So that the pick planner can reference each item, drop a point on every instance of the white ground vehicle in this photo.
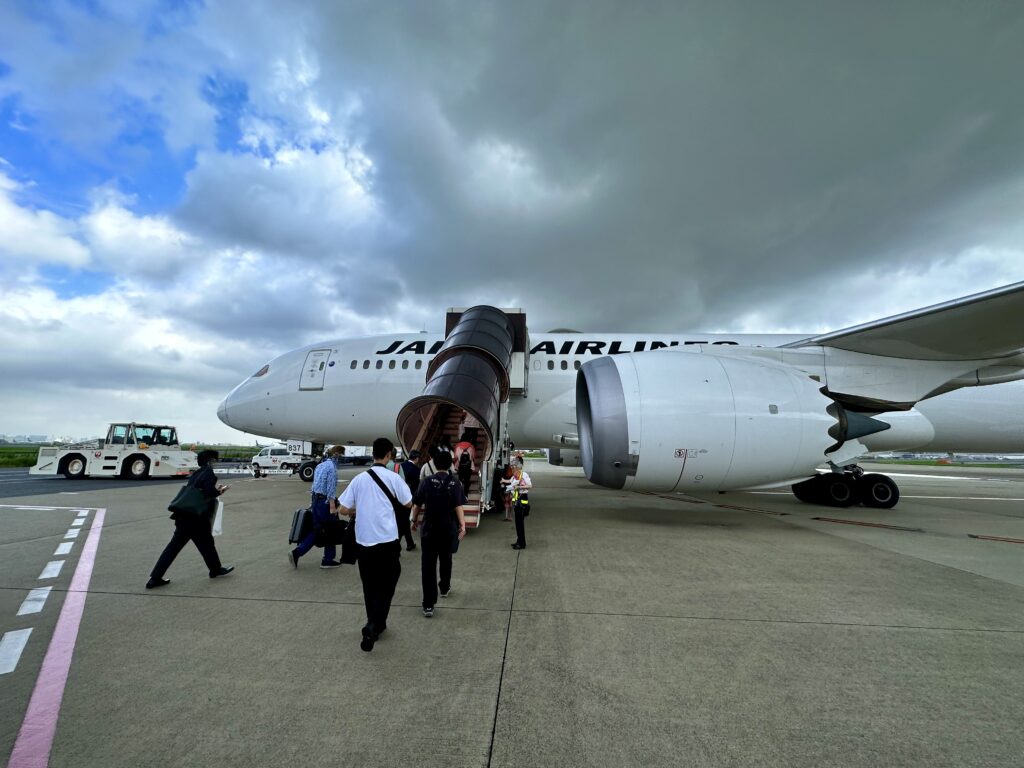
(277, 457)
(130, 450)
(356, 455)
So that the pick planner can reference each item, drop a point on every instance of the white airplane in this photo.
(668, 412)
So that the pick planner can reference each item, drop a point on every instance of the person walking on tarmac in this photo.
(374, 498)
(410, 472)
(325, 488)
(197, 530)
(520, 486)
(439, 501)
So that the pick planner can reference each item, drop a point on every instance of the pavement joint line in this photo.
(995, 538)
(453, 608)
(869, 525)
(36, 508)
(504, 657)
(750, 509)
(74, 531)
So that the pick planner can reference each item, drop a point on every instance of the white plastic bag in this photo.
(218, 519)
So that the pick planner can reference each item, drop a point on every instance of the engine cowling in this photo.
(687, 420)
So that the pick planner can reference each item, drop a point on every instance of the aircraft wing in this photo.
(983, 326)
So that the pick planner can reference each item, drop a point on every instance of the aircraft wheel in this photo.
(306, 471)
(878, 491)
(137, 468)
(808, 491)
(74, 467)
(839, 490)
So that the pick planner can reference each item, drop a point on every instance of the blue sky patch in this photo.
(71, 283)
(229, 97)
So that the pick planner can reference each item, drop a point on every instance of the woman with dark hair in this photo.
(198, 530)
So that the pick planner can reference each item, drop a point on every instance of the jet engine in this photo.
(689, 420)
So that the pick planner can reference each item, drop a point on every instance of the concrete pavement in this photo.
(730, 630)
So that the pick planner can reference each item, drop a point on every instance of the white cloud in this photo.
(35, 236)
(299, 201)
(136, 246)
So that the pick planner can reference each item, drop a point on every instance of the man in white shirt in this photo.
(377, 535)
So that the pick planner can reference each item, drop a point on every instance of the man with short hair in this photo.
(379, 548)
(325, 488)
(439, 500)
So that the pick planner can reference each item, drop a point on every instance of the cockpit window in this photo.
(262, 371)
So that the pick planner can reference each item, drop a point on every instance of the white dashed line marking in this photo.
(63, 549)
(77, 522)
(35, 601)
(52, 569)
(72, 533)
(11, 646)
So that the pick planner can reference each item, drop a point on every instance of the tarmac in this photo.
(738, 629)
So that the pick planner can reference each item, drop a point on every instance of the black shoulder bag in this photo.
(400, 509)
(190, 503)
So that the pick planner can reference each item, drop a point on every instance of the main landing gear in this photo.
(848, 486)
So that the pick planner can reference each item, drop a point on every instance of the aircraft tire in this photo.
(73, 467)
(808, 491)
(878, 491)
(306, 470)
(136, 468)
(839, 490)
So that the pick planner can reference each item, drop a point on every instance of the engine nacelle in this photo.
(687, 420)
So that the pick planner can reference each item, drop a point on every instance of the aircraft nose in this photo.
(222, 412)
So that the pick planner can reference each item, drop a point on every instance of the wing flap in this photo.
(982, 326)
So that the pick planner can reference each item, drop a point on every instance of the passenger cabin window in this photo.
(366, 364)
(536, 365)
(391, 365)
(576, 364)
(354, 363)
(565, 365)
(551, 365)
(380, 364)
(405, 364)
(419, 364)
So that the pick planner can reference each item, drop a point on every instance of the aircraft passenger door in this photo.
(314, 370)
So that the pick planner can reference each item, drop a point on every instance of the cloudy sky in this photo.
(188, 189)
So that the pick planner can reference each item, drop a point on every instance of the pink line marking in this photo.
(35, 739)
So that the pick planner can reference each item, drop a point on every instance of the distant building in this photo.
(24, 438)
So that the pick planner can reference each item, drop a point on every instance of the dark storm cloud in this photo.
(736, 150)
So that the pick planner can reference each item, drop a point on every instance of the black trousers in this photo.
(405, 531)
(520, 524)
(198, 531)
(436, 549)
(379, 569)
(465, 477)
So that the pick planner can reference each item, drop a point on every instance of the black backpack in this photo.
(465, 461)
